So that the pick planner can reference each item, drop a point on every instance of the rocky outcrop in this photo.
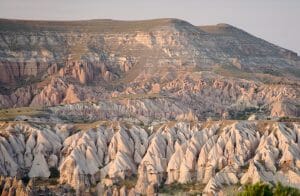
(71, 95)
(12, 186)
(14, 72)
(123, 107)
(52, 94)
(117, 152)
(210, 70)
(79, 70)
(216, 154)
(206, 95)
(278, 150)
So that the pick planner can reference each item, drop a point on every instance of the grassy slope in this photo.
(12, 113)
(101, 26)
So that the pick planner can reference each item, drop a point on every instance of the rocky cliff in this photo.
(106, 107)
(210, 70)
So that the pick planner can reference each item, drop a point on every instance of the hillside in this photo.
(114, 58)
(138, 107)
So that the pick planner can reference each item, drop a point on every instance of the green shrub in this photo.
(25, 179)
(261, 189)
(54, 173)
(258, 189)
(283, 119)
(53, 181)
(280, 190)
(179, 188)
(242, 114)
(129, 182)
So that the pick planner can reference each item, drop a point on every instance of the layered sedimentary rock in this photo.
(215, 153)
(210, 70)
(125, 108)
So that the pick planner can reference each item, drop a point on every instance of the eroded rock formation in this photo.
(214, 153)
(210, 70)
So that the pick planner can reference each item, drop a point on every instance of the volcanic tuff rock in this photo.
(215, 153)
(213, 71)
(118, 108)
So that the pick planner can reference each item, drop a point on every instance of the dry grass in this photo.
(138, 96)
(231, 190)
(12, 113)
(178, 188)
(45, 182)
(230, 71)
(88, 126)
(103, 26)
(129, 182)
(77, 50)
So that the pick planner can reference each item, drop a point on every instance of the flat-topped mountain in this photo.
(170, 60)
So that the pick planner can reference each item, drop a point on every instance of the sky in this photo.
(276, 21)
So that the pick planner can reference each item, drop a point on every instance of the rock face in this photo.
(216, 153)
(169, 63)
(124, 108)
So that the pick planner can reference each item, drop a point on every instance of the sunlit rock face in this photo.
(124, 108)
(215, 71)
(215, 153)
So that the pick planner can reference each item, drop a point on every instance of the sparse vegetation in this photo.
(258, 189)
(245, 167)
(261, 189)
(283, 119)
(46, 182)
(289, 119)
(53, 181)
(110, 26)
(293, 71)
(138, 96)
(54, 172)
(280, 190)
(272, 72)
(232, 190)
(12, 113)
(191, 188)
(129, 182)
(119, 63)
(243, 114)
(25, 179)
(231, 71)
(86, 126)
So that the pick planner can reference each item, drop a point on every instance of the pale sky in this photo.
(277, 21)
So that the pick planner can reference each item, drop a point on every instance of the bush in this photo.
(242, 114)
(258, 189)
(129, 182)
(54, 173)
(283, 119)
(53, 181)
(25, 179)
(179, 188)
(261, 189)
(280, 190)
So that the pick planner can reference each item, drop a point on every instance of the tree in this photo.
(261, 189)
(54, 173)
